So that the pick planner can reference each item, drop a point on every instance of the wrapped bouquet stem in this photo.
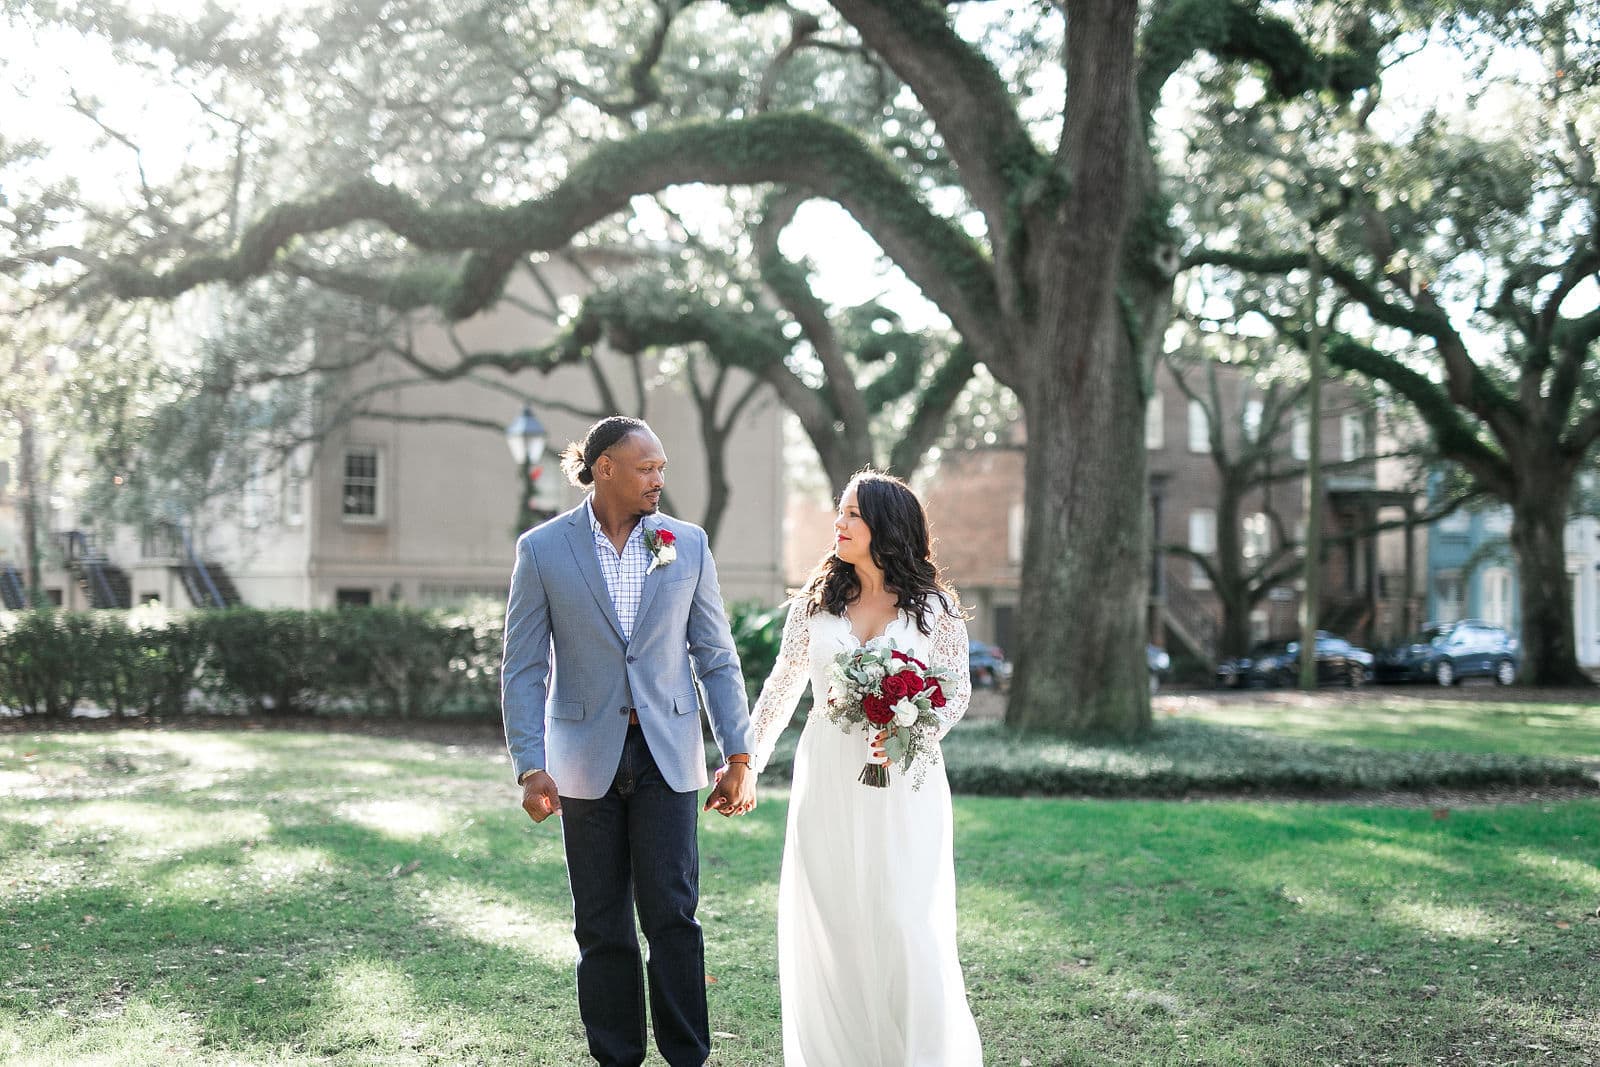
(880, 687)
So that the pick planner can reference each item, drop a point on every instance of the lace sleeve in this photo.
(780, 694)
(950, 652)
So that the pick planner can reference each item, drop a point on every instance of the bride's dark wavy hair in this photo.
(900, 547)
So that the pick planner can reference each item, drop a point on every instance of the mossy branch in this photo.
(1240, 31)
(1452, 433)
(962, 92)
(804, 150)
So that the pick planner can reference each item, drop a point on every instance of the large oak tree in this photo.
(1043, 239)
(1465, 245)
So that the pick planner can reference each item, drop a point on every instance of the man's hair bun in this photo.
(578, 458)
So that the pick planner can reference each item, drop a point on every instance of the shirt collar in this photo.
(594, 523)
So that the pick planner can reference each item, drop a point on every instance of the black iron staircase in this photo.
(13, 593)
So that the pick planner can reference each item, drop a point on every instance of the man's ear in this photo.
(602, 467)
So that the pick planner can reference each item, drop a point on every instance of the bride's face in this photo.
(852, 540)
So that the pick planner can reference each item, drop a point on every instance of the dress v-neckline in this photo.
(850, 629)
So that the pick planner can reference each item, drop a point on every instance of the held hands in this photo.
(734, 792)
(539, 796)
(875, 745)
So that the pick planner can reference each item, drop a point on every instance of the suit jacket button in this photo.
(630, 659)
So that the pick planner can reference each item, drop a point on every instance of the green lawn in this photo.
(281, 897)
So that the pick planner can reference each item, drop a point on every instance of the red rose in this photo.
(666, 537)
(895, 687)
(878, 711)
(914, 682)
(935, 694)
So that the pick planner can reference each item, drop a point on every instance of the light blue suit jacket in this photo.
(568, 672)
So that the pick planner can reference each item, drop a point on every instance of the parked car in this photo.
(1277, 663)
(1448, 652)
(989, 667)
(1158, 662)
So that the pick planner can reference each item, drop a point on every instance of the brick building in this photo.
(975, 504)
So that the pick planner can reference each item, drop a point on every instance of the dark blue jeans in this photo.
(637, 847)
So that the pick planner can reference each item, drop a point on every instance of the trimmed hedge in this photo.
(1193, 758)
(394, 661)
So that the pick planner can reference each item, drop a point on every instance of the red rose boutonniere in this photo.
(663, 548)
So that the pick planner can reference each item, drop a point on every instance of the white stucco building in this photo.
(402, 508)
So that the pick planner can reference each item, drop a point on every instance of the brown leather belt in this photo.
(633, 716)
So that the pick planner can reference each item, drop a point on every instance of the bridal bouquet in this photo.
(882, 687)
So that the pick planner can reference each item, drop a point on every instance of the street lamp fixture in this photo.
(526, 436)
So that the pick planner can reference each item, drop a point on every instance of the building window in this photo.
(1352, 437)
(1202, 540)
(1300, 438)
(1252, 420)
(352, 598)
(1497, 596)
(1155, 414)
(1497, 521)
(1016, 525)
(1199, 427)
(294, 496)
(360, 499)
(253, 506)
(1259, 625)
(1447, 598)
(1257, 536)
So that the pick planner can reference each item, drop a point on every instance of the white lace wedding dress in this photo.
(867, 966)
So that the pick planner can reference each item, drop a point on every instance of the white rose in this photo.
(905, 712)
(667, 554)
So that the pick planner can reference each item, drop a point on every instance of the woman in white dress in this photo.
(867, 964)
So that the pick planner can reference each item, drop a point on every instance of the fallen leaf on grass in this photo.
(400, 871)
(1441, 813)
(1562, 924)
(723, 1035)
(710, 980)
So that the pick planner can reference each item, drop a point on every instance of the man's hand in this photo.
(539, 796)
(735, 792)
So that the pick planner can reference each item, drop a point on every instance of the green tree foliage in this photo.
(470, 137)
(1464, 242)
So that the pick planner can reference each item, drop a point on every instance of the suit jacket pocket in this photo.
(686, 704)
(565, 709)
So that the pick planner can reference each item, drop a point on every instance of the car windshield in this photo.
(1270, 648)
(1428, 637)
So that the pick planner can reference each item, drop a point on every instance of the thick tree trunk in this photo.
(1080, 660)
(1081, 663)
(1538, 536)
(1232, 587)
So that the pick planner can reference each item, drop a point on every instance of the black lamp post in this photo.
(525, 436)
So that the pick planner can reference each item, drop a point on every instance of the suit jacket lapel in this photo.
(652, 581)
(580, 538)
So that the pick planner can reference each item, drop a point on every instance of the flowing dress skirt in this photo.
(867, 961)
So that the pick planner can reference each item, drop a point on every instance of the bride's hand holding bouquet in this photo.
(893, 695)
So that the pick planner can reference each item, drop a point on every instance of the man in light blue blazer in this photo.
(614, 612)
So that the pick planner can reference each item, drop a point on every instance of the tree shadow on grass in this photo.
(371, 949)
(1235, 933)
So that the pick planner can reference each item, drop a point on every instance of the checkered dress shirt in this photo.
(624, 573)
